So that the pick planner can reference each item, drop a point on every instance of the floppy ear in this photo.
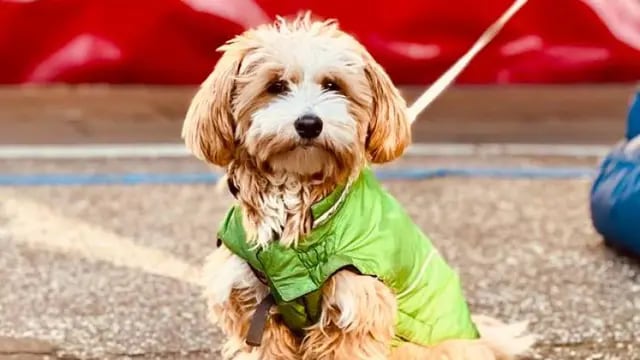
(208, 128)
(389, 127)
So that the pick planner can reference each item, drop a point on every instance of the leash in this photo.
(440, 85)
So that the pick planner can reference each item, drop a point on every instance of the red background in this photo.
(173, 41)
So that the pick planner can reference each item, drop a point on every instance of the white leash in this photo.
(450, 75)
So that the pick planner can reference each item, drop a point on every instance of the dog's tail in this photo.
(507, 341)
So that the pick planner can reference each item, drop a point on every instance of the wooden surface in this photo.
(139, 114)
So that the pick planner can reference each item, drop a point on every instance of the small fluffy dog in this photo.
(316, 260)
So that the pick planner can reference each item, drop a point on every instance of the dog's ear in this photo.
(389, 131)
(208, 128)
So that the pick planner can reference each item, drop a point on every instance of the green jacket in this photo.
(362, 227)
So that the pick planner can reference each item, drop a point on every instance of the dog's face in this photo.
(301, 97)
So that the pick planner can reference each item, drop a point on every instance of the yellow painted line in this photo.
(39, 226)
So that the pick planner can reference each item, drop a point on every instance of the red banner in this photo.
(173, 41)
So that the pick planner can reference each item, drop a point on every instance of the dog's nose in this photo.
(308, 126)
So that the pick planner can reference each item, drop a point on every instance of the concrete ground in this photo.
(111, 271)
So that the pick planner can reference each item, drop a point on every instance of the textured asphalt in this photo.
(111, 271)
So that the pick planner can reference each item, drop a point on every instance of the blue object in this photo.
(74, 179)
(615, 200)
(633, 120)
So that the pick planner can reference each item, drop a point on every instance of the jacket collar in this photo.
(324, 209)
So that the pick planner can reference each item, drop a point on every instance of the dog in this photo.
(316, 260)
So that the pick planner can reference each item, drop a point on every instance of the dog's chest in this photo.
(283, 206)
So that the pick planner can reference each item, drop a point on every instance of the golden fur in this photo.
(356, 334)
(238, 121)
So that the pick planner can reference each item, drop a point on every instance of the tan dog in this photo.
(291, 110)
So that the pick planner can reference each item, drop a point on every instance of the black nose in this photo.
(308, 126)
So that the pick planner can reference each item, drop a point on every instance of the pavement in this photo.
(111, 272)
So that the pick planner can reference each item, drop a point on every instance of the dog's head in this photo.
(297, 96)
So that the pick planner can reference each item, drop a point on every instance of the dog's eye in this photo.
(277, 87)
(329, 85)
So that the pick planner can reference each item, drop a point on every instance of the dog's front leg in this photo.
(233, 293)
(357, 320)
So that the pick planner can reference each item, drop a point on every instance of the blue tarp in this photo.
(615, 194)
(633, 121)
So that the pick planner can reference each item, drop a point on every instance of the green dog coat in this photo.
(360, 227)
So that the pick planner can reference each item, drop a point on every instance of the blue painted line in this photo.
(106, 179)
(509, 173)
(208, 178)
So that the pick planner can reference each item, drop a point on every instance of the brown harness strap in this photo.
(259, 320)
